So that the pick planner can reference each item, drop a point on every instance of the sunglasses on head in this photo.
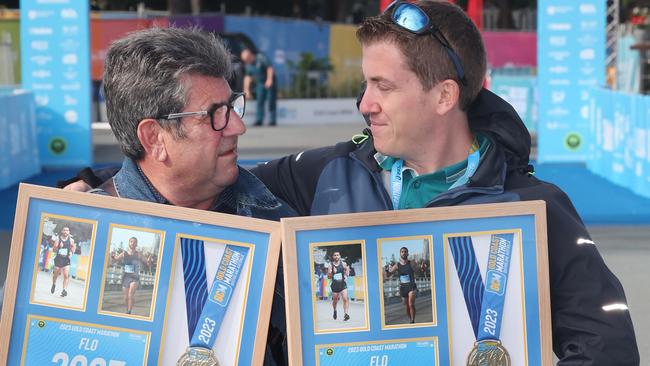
(412, 18)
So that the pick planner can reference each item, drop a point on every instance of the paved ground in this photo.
(113, 301)
(75, 290)
(325, 321)
(395, 313)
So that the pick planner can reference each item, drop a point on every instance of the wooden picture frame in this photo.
(441, 332)
(91, 321)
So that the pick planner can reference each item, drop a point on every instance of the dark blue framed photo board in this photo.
(95, 280)
(438, 286)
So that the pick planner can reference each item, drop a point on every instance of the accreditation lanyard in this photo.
(212, 306)
(484, 302)
(397, 178)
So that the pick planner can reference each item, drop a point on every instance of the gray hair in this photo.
(144, 75)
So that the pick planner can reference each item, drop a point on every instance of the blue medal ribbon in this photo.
(484, 301)
(195, 280)
(212, 305)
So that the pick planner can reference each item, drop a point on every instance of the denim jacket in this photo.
(248, 196)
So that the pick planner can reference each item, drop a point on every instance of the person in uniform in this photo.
(339, 272)
(259, 71)
(407, 287)
(64, 246)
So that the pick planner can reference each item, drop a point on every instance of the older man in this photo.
(177, 122)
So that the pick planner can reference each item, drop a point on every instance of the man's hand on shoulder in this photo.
(78, 186)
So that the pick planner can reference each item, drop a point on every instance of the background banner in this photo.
(276, 38)
(18, 148)
(56, 66)
(571, 61)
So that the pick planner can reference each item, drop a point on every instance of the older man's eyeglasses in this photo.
(415, 20)
(219, 112)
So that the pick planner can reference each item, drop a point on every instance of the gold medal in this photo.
(198, 356)
(492, 353)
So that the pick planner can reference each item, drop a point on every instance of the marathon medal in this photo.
(484, 301)
(204, 329)
(198, 356)
(488, 353)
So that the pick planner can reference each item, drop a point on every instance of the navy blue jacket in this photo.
(345, 178)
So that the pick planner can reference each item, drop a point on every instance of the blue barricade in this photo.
(19, 157)
(620, 138)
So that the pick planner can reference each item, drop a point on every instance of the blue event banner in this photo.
(55, 57)
(571, 63)
(64, 342)
(394, 352)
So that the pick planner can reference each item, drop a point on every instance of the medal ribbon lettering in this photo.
(484, 302)
(205, 328)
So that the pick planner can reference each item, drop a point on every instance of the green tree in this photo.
(309, 76)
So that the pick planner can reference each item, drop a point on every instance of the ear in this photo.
(449, 95)
(150, 134)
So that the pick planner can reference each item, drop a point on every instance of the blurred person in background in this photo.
(260, 72)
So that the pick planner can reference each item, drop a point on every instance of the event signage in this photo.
(55, 54)
(571, 62)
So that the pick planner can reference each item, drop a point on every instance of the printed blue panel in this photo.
(645, 116)
(282, 40)
(519, 91)
(55, 51)
(379, 354)
(53, 341)
(620, 134)
(18, 148)
(571, 62)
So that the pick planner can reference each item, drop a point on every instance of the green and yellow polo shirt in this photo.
(418, 190)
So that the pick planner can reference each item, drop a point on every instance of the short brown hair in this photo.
(426, 56)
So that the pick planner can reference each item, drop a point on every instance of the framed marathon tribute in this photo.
(96, 280)
(464, 285)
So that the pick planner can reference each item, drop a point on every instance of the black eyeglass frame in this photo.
(431, 28)
(210, 111)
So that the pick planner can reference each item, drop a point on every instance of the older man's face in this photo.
(205, 158)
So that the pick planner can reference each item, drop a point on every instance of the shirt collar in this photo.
(247, 190)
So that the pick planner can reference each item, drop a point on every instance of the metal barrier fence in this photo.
(316, 84)
(391, 287)
(114, 278)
